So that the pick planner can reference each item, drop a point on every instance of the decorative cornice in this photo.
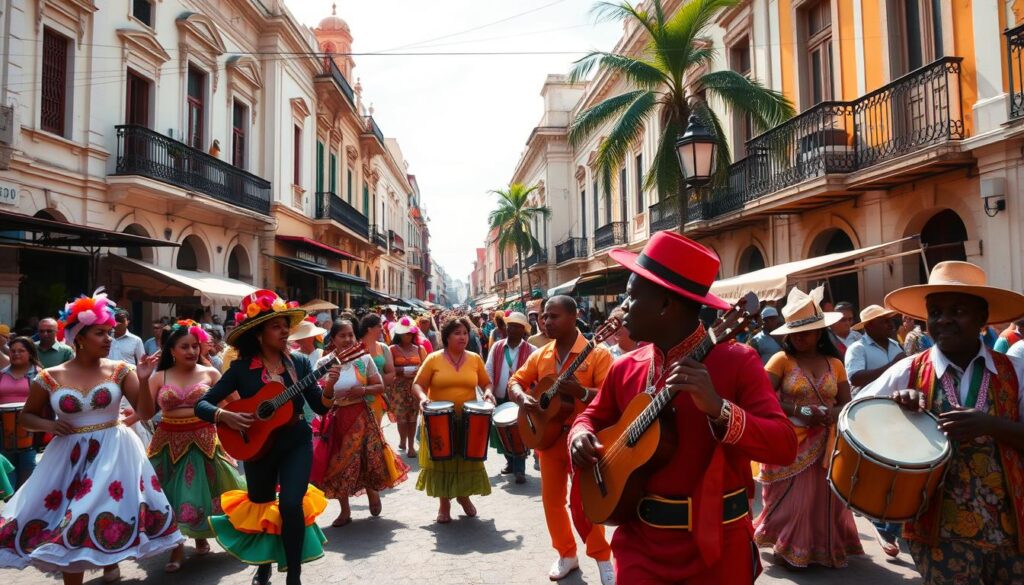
(299, 108)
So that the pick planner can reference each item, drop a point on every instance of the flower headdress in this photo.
(194, 329)
(261, 306)
(82, 312)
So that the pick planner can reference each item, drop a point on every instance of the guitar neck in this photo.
(576, 363)
(293, 390)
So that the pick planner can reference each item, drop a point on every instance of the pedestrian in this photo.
(842, 332)
(802, 519)
(1012, 334)
(93, 482)
(52, 352)
(15, 382)
(370, 332)
(539, 339)
(551, 361)
(5, 353)
(916, 340)
(425, 324)
(304, 337)
(876, 351)
(125, 345)
(152, 345)
(973, 529)
(764, 343)
(728, 416)
(404, 408)
(498, 332)
(621, 343)
(191, 465)
(452, 374)
(505, 359)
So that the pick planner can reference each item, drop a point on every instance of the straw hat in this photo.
(872, 312)
(403, 326)
(518, 318)
(260, 306)
(803, 313)
(957, 277)
(305, 330)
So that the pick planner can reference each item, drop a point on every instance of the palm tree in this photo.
(677, 49)
(512, 219)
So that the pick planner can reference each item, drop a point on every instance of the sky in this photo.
(462, 120)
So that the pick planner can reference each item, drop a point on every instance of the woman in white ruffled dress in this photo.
(94, 499)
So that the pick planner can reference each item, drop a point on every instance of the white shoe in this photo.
(607, 571)
(561, 568)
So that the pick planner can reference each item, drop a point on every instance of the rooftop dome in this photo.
(333, 22)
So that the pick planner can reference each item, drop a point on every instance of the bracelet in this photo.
(725, 414)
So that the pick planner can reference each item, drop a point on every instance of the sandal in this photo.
(889, 548)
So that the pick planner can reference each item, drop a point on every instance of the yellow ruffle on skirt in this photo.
(250, 518)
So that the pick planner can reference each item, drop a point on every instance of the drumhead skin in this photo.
(481, 406)
(892, 435)
(6, 407)
(440, 406)
(506, 414)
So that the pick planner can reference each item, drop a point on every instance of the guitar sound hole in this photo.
(544, 401)
(265, 410)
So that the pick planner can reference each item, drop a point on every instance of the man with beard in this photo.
(973, 530)
(693, 524)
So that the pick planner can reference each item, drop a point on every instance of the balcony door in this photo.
(915, 41)
(196, 103)
(137, 100)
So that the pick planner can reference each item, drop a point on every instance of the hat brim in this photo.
(399, 330)
(887, 314)
(316, 332)
(295, 316)
(829, 318)
(628, 261)
(1003, 305)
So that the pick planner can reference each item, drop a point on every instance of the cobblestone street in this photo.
(506, 544)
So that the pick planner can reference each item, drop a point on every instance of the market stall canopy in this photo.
(24, 229)
(349, 283)
(382, 297)
(772, 283)
(163, 284)
(603, 281)
(318, 305)
(565, 288)
(319, 246)
(487, 302)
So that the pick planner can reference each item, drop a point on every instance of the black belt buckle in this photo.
(677, 514)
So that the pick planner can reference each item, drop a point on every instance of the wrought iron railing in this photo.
(331, 70)
(330, 206)
(379, 238)
(539, 257)
(1015, 68)
(664, 214)
(571, 248)
(612, 234)
(415, 260)
(374, 129)
(920, 109)
(396, 241)
(512, 271)
(141, 151)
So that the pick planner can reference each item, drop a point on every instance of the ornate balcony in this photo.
(570, 249)
(141, 151)
(330, 206)
(1015, 67)
(540, 257)
(664, 214)
(379, 238)
(331, 70)
(612, 234)
(512, 271)
(396, 241)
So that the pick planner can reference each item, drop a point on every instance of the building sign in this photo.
(311, 257)
(8, 194)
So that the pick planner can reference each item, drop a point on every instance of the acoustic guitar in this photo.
(643, 440)
(273, 409)
(541, 429)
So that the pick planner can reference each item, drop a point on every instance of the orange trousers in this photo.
(554, 492)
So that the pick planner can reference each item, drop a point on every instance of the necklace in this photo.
(457, 364)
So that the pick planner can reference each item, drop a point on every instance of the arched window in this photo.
(192, 255)
(843, 287)
(239, 266)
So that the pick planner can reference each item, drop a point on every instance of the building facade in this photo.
(907, 137)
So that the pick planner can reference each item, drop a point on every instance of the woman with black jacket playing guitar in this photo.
(249, 529)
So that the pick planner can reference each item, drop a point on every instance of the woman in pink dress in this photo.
(802, 519)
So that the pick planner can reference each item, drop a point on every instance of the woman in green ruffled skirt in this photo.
(191, 465)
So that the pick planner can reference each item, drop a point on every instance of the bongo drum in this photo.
(476, 429)
(887, 462)
(439, 424)
(507, 426)
(13, 437)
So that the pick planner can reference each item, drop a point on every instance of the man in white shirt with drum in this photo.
(507, 356)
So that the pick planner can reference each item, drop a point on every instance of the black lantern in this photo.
(696, 152)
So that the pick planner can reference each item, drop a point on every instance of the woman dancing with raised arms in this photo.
(262, 526)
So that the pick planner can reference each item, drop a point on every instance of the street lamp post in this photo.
(696, 150)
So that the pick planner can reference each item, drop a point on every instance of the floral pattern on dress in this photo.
(8, 528)
(53, 500)
(76, 454)
(111, 532)
(78, 533)
(101, 399)
(70, 404)
(116, 490)
(34, 534)
(93, 451)
(153, 521)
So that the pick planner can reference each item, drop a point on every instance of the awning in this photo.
(382, 297)
(603, 281)
(311, 243)
(487, 302)
(771, 283)
(17, 229)
(168, 284)
(565, 288)
(352, 284)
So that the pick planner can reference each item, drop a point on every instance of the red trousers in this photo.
(639, 560)
(554, 490)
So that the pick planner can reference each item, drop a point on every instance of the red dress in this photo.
(704, 467)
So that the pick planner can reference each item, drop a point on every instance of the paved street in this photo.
(507, 543)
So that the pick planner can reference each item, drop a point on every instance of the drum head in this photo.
(481, 406)
(439, 406)
(12, 406)
(506, 414)
(893, 435)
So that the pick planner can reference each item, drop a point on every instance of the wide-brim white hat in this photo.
(803, 313)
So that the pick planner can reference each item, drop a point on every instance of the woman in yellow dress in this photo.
(452, 374)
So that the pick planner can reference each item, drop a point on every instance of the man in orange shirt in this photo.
(554, 358)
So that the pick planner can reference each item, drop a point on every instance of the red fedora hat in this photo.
(677, 263)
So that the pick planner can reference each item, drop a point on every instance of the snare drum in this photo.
(13, 437)
(439, 425)
(476, 429)
(506, 424)
(888, 462)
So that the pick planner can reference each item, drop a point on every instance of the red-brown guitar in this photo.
(643, 440)
(541, 429)
(273, 408)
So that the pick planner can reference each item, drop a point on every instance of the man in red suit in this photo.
(693, 524)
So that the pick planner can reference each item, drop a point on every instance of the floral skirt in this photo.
(359, 457)
(251, 532)
(453, 478)
(405, 407)
(193, 479)
(93, 500)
